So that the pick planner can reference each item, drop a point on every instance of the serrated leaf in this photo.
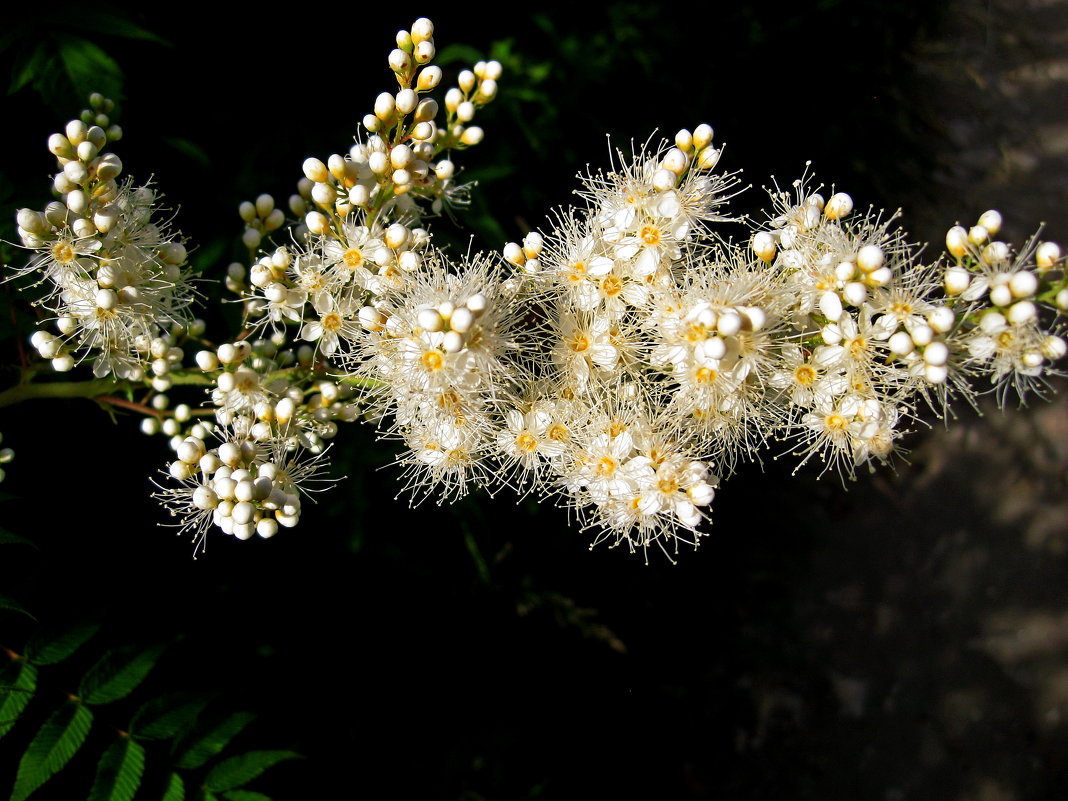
(27, 68)
(100, 19)
(49, 647)
(175, 789)
(12, 605)
(243, 768)
(7, 538)
(206, 741)
(190, 149)
(18, 680)
(245, 795)
(164, 717)
(118, 774)
(88, 67)
(58, 740)
(117, 673)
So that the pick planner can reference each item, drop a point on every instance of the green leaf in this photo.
(206, 741)
(58, 740)
(245, 795)
(18, 680)
(14, 606)
(164, 717)
(118, 774)
(100, 19)
(49, 647)
(243, 768)
(88, 67)
(175, 789)
(190, 149)
(29, 68)
(7, 538)
(117, 673)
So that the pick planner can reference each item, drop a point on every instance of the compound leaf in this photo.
(58, 740)
(118, 774)
(175, 789)
(117, 673)
(49, 647)
(167, 715)
(18, 680)
(206, 741)
(243, 768)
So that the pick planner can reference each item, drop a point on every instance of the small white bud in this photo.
(1022, 312)
(941, 319)
(1001, 295)
(764, 246)
(870, 258)
(1047, 255)
(839, 206)
(831, 306)
(900, 343)
(957, 241)
(702, 136)
(936, 353)
(429, 78)
(991, 221)
(1023, 284)
(1053, 348)
(957, 280)
(314, 170)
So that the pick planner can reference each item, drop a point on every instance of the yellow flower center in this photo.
(650, 234)
(526, 443)
(579, 342)
(805, 375)
(559, 433)
(606, 466)
(667, 485)
(332, 322)
(63, 253)
(353, 258)
(432, 361)
(835, 423)
(611, 286)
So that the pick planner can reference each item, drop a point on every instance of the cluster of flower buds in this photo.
(114, 276)
(240, 486)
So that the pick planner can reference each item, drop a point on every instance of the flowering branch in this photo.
(621, 363)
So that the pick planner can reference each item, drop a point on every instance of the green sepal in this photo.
(243, 768)
(167, 715)
(49, 647)
(58, 740)
(175, 789)
(207, 740)
(18, 680)
(118, 673)
(118, 774)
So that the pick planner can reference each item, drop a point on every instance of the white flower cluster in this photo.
(115, 275)
(620, 364)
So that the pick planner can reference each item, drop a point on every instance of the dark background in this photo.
(907, 639)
